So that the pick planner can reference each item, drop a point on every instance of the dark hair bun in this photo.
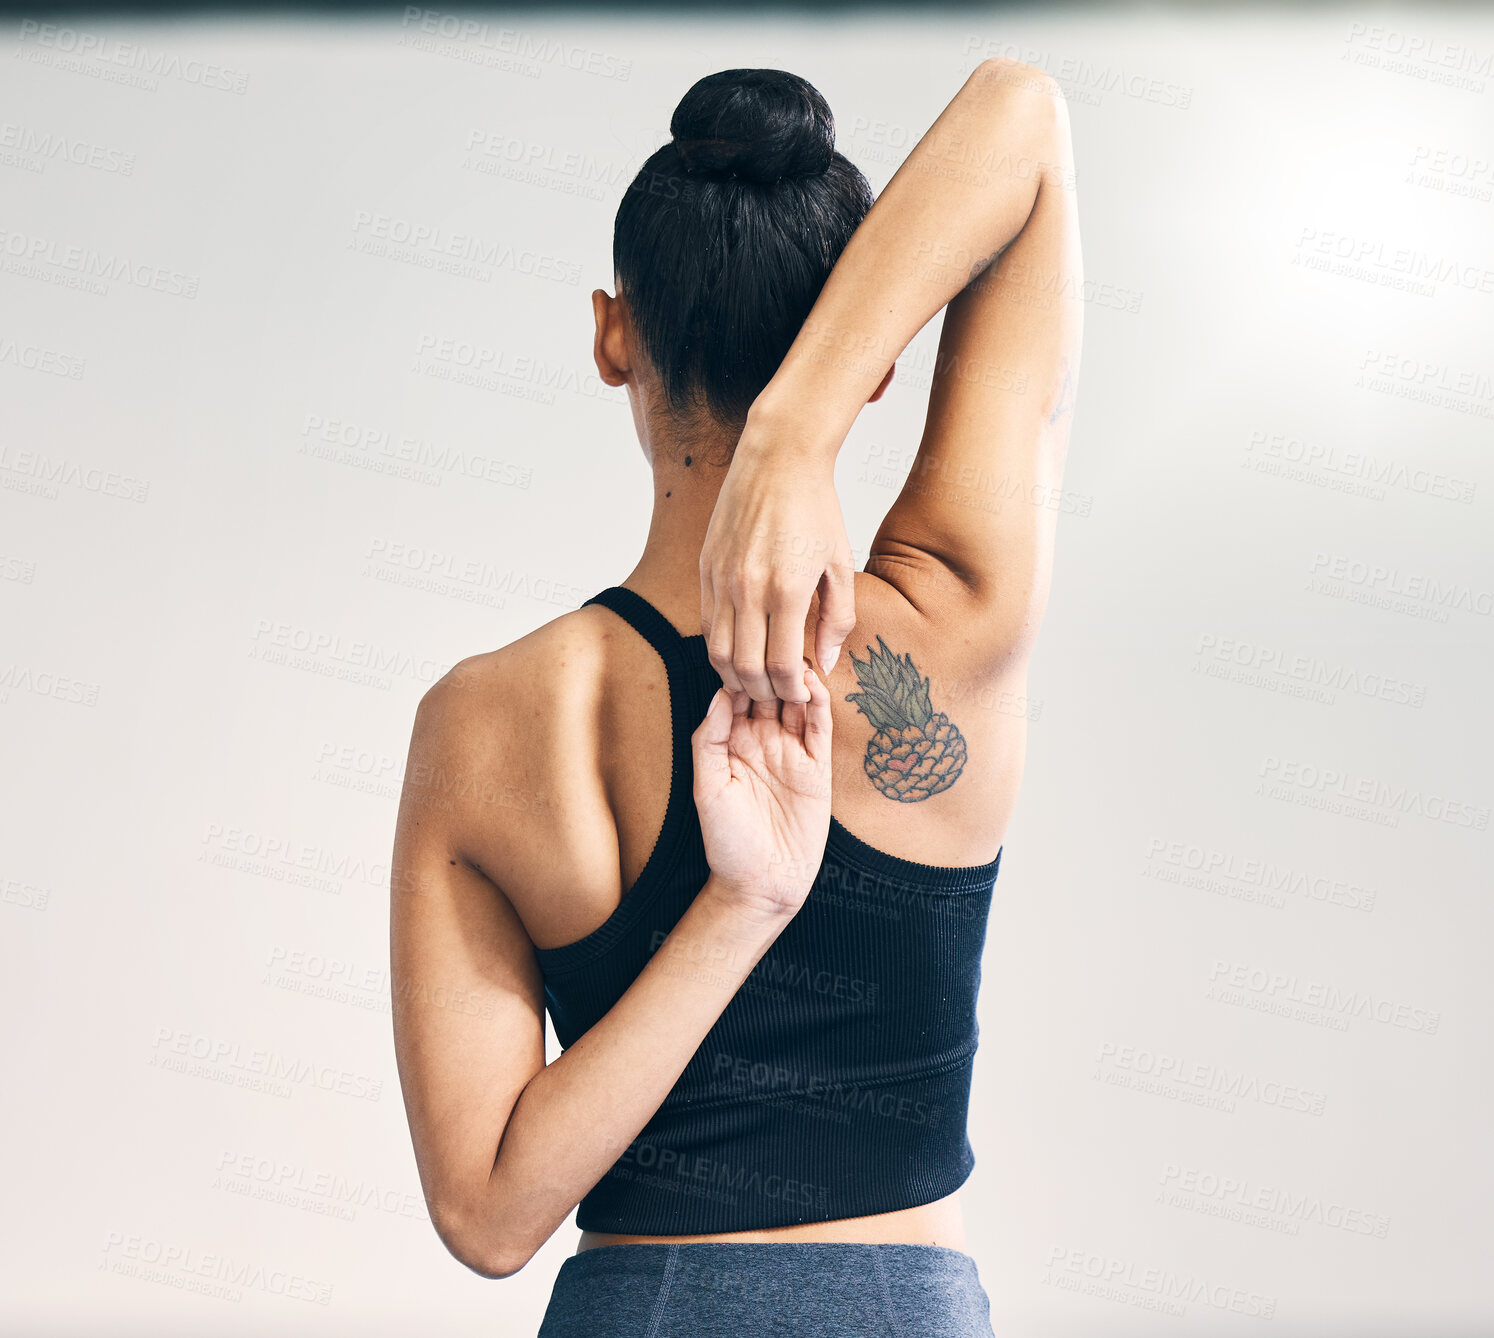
(756, 125)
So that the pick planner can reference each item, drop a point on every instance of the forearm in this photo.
(960, 198)
(579, 1113)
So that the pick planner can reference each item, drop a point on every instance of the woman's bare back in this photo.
(572, 754)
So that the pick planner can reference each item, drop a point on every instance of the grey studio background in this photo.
(299, 409)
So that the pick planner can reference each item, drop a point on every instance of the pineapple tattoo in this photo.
(915, 752)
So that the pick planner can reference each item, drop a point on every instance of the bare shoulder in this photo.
(557, 657)
(504, 744)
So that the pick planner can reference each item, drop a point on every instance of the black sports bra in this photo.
(836, 1083)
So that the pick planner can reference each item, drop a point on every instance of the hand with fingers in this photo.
(776, 539)
(762, 789)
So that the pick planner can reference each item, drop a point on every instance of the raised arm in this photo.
(993, 177)
(973, 527)
(505, 1145)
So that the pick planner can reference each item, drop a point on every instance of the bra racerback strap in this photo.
(644, 618)
(692, 681)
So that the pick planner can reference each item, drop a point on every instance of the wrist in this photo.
(748, 913)
(786, 426)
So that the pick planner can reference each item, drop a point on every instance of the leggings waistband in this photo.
(702, 1289)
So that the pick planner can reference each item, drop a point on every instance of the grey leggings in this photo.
(727, 1289)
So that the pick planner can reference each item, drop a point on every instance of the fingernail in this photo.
(831, 659)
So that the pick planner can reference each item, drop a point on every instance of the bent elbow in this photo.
(492, 1264)
(495, 1263)
(486, 1253)
(1019, 76)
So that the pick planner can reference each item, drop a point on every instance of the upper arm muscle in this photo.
(980, 503)
(467, 994)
